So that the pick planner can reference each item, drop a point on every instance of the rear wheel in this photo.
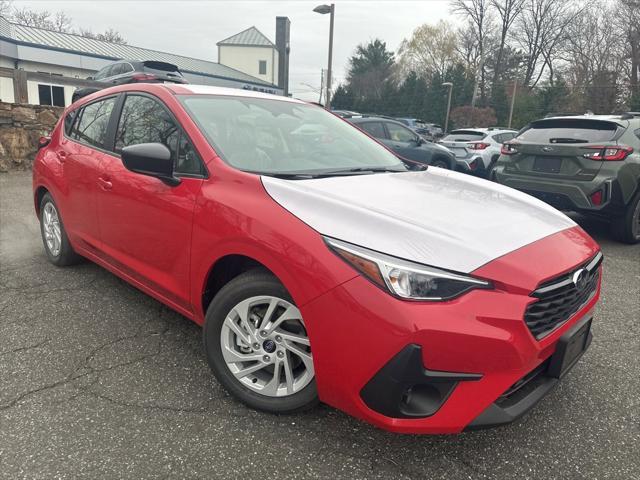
(257, 345)
(54, 237)
(627, 227)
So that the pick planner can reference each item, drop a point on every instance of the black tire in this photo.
(253, 283)
(440, 163)
(489, 170)
(627, 227)
(66, 255)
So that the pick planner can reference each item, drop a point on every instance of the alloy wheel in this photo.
(51, 227)
(265, 346)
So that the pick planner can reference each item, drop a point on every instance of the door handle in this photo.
(62, 155)
(105, 184)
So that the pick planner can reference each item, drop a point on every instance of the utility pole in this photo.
(513, 101)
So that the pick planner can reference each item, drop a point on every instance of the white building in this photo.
(40, 66)
(250, 52)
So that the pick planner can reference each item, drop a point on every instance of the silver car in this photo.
(477, 149)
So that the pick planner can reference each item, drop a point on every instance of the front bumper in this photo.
(476, 347)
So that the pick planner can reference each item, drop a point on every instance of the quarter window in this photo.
(144, 120)
(91, 127)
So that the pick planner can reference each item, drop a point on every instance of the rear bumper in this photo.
(568, 195)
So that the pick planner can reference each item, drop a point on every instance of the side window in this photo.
(119, 69)
(91, 128)
(398, 133)
(499, 138)
(144, 120)
(262, 67)
(638, 133)
(126, 68)
(375, 129)
(102, 73)
(508, 136)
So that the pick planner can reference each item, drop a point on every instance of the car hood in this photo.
(435, 217)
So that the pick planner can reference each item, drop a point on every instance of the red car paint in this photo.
(166, 240)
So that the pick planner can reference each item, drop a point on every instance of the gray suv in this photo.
(587, 163)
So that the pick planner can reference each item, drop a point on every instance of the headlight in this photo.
(405, 279)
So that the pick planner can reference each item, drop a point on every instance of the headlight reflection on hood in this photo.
(403, 278)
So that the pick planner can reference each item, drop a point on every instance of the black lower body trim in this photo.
(530, 389)
(403, 388)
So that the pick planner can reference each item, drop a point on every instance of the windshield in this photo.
(280, 137)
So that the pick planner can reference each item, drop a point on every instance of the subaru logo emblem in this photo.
(547, 149)
(580, 279)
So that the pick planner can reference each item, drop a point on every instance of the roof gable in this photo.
(249, 37)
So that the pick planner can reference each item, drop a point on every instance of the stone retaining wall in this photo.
(20, 127)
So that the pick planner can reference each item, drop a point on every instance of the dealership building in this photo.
(44, 67)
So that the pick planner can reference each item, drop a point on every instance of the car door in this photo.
(82, 152)
(404, 142)
(145, 224)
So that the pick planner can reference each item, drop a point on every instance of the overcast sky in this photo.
(193, 28)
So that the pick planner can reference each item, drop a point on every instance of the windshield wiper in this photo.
(567, 140)
(347, 171)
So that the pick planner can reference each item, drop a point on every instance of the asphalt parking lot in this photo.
(98, 380)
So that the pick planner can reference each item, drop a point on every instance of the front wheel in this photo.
(440, 163)
(257, 345)
(627, 227)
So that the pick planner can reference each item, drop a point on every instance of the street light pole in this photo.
(324, 9)
(513, 101)
(446, 122)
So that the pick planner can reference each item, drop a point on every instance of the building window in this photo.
(262, 67)
(51, 95)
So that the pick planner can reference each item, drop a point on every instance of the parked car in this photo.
(132, 71)
(436, 130)
(320, 268)
(418, 126)
(345, 113)
(405, 142)
(587, 163)
(477, 149)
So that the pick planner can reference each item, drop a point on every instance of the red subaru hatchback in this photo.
(320, 265)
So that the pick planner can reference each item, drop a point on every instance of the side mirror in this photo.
(152, 159)
(419, 140)
(89, 78)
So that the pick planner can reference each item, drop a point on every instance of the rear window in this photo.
(464, 136)
(569, 131)
(162, 68)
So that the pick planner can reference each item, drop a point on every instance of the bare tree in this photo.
(541, 28)
(109, 35)
(57, 22)
(478, 14)
(508, 12)
(5, 7)
(593, 57)
(630, 10)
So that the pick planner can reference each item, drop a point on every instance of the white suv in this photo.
(477, 149)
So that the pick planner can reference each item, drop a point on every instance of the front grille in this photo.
(560, 298)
